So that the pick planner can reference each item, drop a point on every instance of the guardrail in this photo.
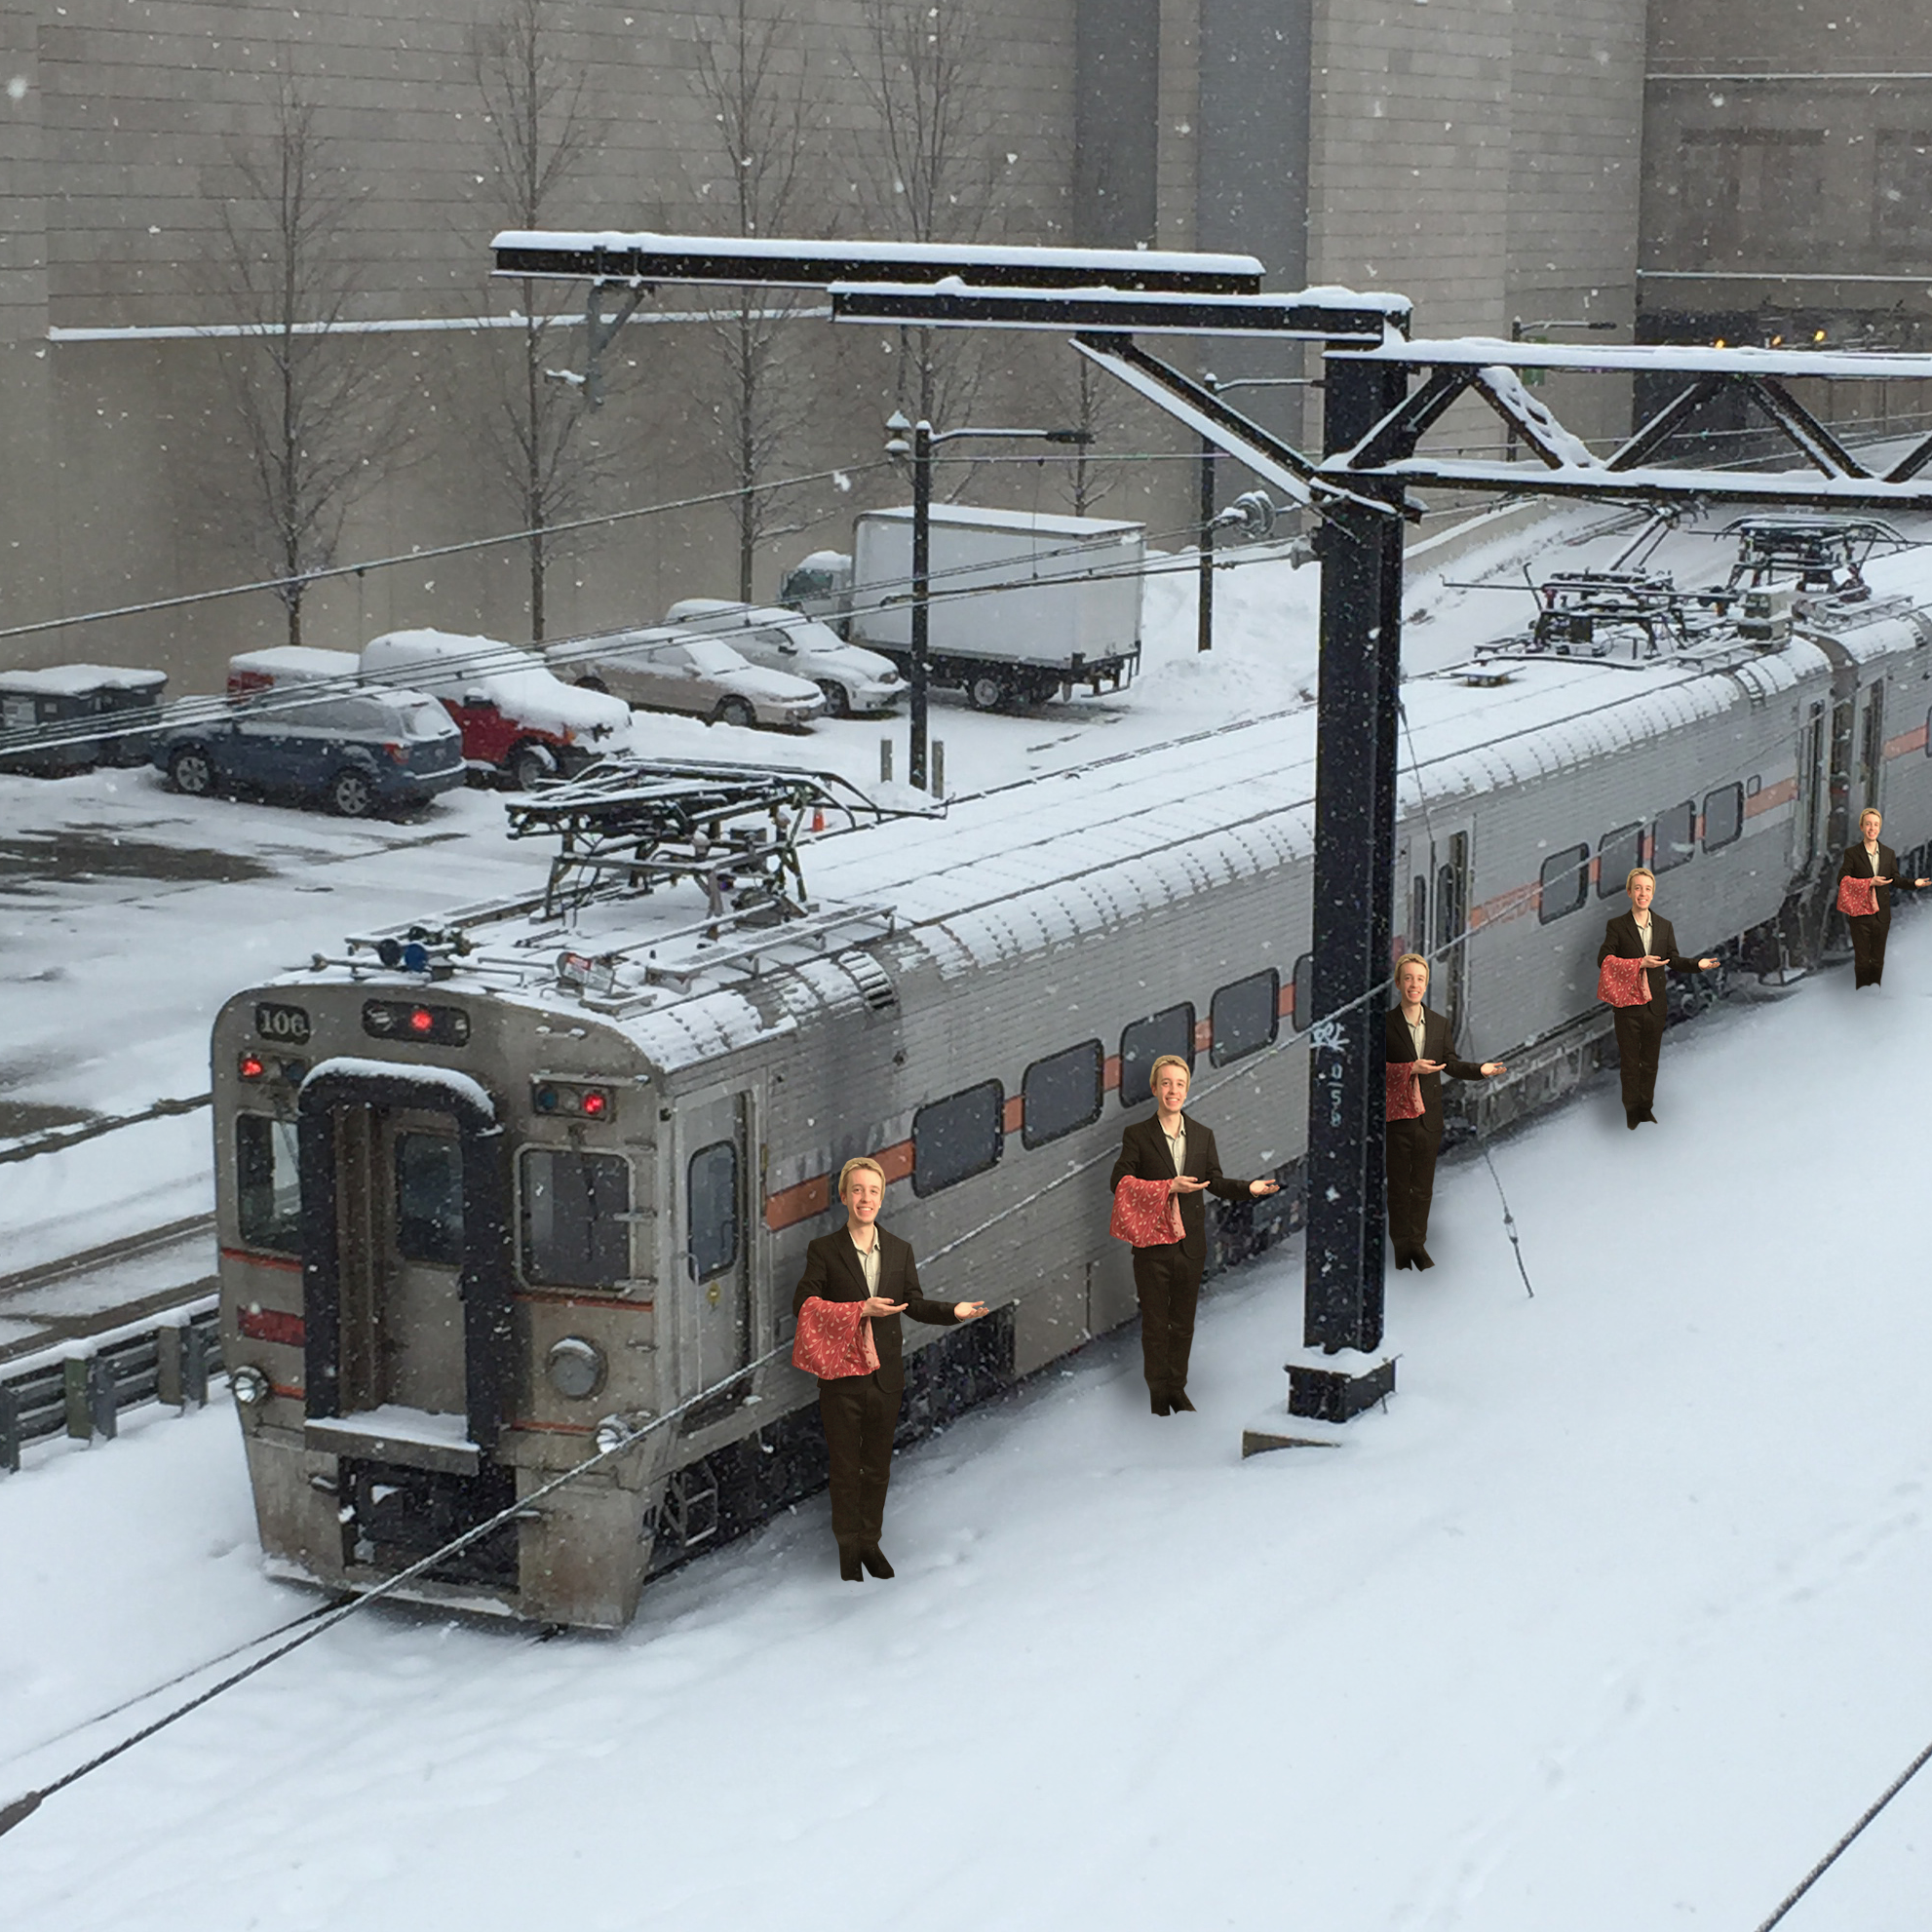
(81, 1387)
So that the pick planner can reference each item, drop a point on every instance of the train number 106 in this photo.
(288, 1024)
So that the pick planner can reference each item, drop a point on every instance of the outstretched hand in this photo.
(968, 1311)
(1259, 1187)
(878, 1305)
(1491, 1067)
(1707, 965)
(1185, 1184)
(1429, 1065)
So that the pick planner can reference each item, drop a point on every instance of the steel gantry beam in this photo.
(1374, 424)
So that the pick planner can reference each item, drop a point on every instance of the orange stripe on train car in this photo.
(1905, 741)
(1014, 1115)
(273, 1325)
(1110, 1074)
(257, 1260)
(1204, 1035)
(792, 1205)
(1772, 797)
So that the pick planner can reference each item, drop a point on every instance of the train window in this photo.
(1170, 1030)
(573, 1236)
(268, 1185)
(955, 1139)
(429, 1199)
(1674, 839)
(1304, 991)
(1062, 1093)
(1618, 854)
(712, 1206)
(1243, 1017)
(1565, 884)
(1723, 816)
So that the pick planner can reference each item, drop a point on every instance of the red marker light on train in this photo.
(421, 1020)
(596, 1101)
(251, 1067)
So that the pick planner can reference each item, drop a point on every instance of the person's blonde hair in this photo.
(858, 1161)
(1168, 1060)
(1871, 812)
(1410, 959)
(1639, 872)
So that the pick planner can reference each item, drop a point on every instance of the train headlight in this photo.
(575, 1366)
(250, 1386)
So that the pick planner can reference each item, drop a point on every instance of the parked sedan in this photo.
(670, 670)
(358, 754)
(852, 678)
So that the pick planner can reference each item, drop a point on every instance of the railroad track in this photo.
(84, 1337)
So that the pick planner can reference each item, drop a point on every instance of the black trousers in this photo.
(1640, 1039)
(1412, 1182)
(1868, 948)
(858, 1418)
(1168, 1284)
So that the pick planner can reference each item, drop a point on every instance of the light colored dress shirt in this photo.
(1176, 1145)
(1872, 853)
(869, 1263)
(1416, 1028)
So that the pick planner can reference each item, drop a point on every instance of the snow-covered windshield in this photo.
(715, 659)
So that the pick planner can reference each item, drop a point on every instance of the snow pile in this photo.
(1612, 1620)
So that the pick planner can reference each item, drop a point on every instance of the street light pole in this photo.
(915, 441)
(1204, 633)
(922, 568)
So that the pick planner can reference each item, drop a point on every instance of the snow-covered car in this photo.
(667, 669)
(517, 719)
(852, 678)
(358, 753)
(279, 665)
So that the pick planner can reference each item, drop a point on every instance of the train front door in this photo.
(715, 1333)
(401, 1203)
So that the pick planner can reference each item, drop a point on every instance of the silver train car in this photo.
(483, 1187)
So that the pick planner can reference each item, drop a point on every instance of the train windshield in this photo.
(574, 1236)
(268, 1187)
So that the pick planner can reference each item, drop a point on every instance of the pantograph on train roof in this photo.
(629, 829)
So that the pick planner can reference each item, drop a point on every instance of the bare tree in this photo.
(300, 375)
(539, 136)
(922, 69)
(1085, 399)
(760, 111)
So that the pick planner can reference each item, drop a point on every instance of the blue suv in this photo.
(357, 753)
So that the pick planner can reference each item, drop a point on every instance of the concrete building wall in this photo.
(1789, 186)
(1478, 155)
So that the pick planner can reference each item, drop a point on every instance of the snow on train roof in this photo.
(1044, 861)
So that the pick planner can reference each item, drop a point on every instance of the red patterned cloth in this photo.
(1623, 982)
(1401, 1098)
(834, 1338)
(1147, 1213)
(1858, 898)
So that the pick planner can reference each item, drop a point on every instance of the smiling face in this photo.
(1642, 889)
(1171, 1088)
(1867, 827)
(1411, 983)
(863, 1193)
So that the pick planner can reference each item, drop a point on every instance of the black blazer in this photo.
(832, 1273)
(1854, 865)
(1438, 1043)
(1145, 1156)
(1620, 941)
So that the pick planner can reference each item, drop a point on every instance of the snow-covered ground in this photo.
(1613, 1619)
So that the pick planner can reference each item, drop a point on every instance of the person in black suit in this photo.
(1869, 859)
(1415, 1032)
(863, 1262)
(1641, 934)
(1176, 1148)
